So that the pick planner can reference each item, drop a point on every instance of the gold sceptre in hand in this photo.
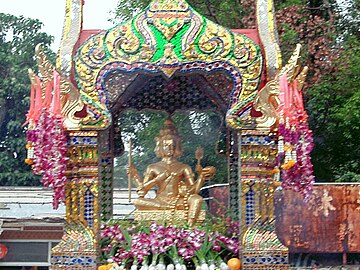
(130, 166)
(199, 155)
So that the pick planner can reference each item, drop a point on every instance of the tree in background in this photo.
(18, 38)
(227, 12)
(334, 105)
(331, 51)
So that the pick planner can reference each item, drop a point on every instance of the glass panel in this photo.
(195, 129)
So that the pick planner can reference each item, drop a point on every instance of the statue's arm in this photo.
(148, 180)
(189, 180)
(206, 173)
(152, 178)
(134, 175)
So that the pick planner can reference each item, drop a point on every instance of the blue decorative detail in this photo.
(250, 207)
(89, 208)
(83, 140)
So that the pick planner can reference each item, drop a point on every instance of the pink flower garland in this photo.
(46, 137)
(50, 154)
(295, 141)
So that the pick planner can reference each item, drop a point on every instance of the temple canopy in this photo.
(168, 39)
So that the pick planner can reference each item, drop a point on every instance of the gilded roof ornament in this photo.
(168, 16)
(265, 15)
(267, 101)
(168, 37)
(71, 31)
(69, 94)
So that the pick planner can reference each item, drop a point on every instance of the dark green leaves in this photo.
(18, 38)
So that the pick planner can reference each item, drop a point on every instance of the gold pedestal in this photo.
(177, 216)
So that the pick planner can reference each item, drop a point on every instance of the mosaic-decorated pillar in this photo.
(233, 174)
(106, 171)
(78, 248)
(258, 157)
(261, 248)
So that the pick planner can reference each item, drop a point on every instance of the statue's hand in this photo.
(183, 189)
(208, 172)
(198, 168)
(132, 171)
(141, 192)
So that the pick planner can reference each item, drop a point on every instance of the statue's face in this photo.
(168, 148)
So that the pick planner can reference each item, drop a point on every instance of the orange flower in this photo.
(288, 165)
(29, 161)
(288, 147)
(234, 264)
(276, 170)
(105, 267)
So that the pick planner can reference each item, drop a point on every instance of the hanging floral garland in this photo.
(46, 137)
(295, 140)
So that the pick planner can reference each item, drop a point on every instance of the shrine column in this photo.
(260, 248)
(88, 200)
(258, 151)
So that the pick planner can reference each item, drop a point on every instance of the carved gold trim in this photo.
(292, 67)
(95, 192)
(302, 77)
(70, 35)
(71, 31)
(267, 99)
(70, 97)
(269, 37)
(78, 240)
(168, 215)
(32, 76)
(44, 65)
(72, 104)
(74, 201)
(68, 195)
(81, 194)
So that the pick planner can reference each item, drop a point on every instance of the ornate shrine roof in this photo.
(168, 37)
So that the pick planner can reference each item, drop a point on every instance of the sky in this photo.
(51, 14)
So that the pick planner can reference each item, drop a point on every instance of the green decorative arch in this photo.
(168, 36)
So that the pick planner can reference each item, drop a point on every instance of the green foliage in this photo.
(125, 10)
(18, 38)
(195, 129)
(225, 12)
(331, 51)
(346, 175)
(290, 38)
(334, 108)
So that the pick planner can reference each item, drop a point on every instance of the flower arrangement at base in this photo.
(155, 246)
